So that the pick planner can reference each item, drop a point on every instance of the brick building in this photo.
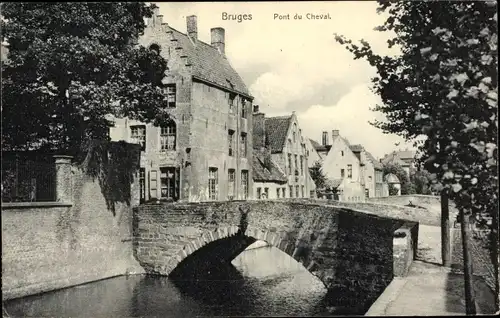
(280, 140)
(205, 153)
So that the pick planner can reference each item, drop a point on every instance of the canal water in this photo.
(260, 282)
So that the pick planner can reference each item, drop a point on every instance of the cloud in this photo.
(351, 116)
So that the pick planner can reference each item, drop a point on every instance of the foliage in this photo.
(393, 190)
(443, 86)
(404, 180)
(72, 65)
(318, 176)
(421, 181)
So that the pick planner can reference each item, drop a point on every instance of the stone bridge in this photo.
(354, 253)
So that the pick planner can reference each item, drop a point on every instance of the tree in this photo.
(398, 171)
(443, 86)
(393, 190)
(72, 65)
(421, 180)
(318, 176)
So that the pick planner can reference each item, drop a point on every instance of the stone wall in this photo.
(350, 251)
(50, 245)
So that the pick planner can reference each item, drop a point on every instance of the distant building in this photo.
(393, 181)
(205, 152)
(341, 167)
(280, 140)
(404, 158)
(371, 172)
(312, 153)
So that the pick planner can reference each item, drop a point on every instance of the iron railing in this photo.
(28, 181)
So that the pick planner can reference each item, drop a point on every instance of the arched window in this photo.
(168, 136)
(155, 48)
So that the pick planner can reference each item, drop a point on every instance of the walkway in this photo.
(429, 288)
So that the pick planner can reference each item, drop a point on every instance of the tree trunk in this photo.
(470, 299)
(445, 230)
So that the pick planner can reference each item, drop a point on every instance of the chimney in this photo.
(324, 140)
(255, 108)
(335, 134)
(192, 27)
(259, 131)
(218, 41)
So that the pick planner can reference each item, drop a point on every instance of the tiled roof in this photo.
(266, 174)
(391, 178)
(401, 155)
(374, 161)
(209, 64)
(333, 183)
(393, 158)
(319, 147)
(276, 131)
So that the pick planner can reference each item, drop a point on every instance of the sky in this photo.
(296, 65)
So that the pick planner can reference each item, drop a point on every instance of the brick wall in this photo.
(53, 245)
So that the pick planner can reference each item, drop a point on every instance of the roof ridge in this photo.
(185, 34)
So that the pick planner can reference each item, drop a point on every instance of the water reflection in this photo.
(259, 282)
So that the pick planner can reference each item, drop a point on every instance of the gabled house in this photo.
(268, 179)
(341, 167)
(404, 158)
(205, 152)
(282, 137)
(312, 153)
(371, 172)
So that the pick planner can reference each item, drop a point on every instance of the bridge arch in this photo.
(298, 249)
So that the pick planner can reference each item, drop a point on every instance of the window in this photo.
(243, 144)
(170, 92)
(291, 191)
(153, 185)
(342, 152)
(311, 194)
(296, 164)
(301, 165)
(155, 48)
(244, 106)
(232, 102)
(244, 183)
(297, 195)
(167, 136)
(278, 192)
(349, 171)
(167, 183)
(231, 181)
(230, 140)
(259, 192)
(138, 135)
(290, 164)
(342, 173)
(266, 193)
(142, 184)
(212, 184)
(303, 193)
(283, 191)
